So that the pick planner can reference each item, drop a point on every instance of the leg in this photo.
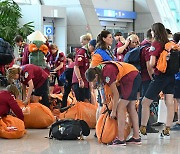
(170, 109)
(121, 115)
(67, 90)
(134, 118)
(145, 110)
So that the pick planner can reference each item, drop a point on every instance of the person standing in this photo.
(161, 81)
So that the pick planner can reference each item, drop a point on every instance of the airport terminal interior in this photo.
(41, 41)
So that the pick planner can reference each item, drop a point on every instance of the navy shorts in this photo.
(162, 82)
(135, 88)
(44, 89)
(177, 89)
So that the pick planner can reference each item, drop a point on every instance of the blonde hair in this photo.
(87, 37)
(11, 72)
(13, 90)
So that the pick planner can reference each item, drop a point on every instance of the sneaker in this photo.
(143, 133)
(116, 141)
(176, 127)
(143, 136)
(157, 124)
(95, 135)
(151, 130)
(134, 141)
(165, 135)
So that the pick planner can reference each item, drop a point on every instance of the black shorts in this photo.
(163, 82)
(177, 89)
(81, 93)
(42, 90)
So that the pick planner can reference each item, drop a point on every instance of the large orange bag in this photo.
(107, 128)
(83, 111)
(39, 116)
(11, 127)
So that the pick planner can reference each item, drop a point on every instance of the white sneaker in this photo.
(164, 136)
(143, 137)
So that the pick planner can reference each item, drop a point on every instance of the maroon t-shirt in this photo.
(25, 55)
(126, 82)
(145, 56)
(82, 60)
(56, 59)
(155, 50)
(7, 102)
(36, 73)
(119, 56)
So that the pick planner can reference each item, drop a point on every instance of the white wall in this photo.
(144, 18)
(36, 13)
(114, 4)
(81, 19)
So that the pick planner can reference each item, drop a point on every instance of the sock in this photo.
(167, 130)
(143, 130)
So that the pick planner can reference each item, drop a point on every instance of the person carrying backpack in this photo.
(160, 82)
(146, 75)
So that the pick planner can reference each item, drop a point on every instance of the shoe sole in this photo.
(143, 137)
(137, 143)
(164, 137)
(117, 144)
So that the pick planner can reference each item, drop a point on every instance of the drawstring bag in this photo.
(11, 127)
(36, 115)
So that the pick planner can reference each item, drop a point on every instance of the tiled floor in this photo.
(35, 142)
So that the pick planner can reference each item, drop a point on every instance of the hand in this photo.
(113, 115)
(81, 83)
(26, 102)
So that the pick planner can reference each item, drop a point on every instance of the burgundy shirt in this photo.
(155, 50)
(82, 60)
(25, 55)
(145, 56)
(36, 73)
(119, 56)
(56, 59)
(126, 82)
(7, 102)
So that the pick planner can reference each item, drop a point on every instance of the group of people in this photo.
(97, 66)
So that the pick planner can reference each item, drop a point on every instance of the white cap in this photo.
(36, 36)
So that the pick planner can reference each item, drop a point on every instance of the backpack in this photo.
(169, 60)
(6, 52)
(69, 129)
(133, 56)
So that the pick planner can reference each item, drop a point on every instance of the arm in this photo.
(78, 75)
(59, 67)
(121, 49)
(31, 87)
(152, 61)
(23, 91)
(115, 99)
(149, 69)
(15, 108)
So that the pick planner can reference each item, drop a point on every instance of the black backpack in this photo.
(69, 129)
(133, 56)
(173, 64)
(6, 52)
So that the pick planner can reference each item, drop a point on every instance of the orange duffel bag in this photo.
(107, 128)
(36, 115)
(11, 127)
(83, 111)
